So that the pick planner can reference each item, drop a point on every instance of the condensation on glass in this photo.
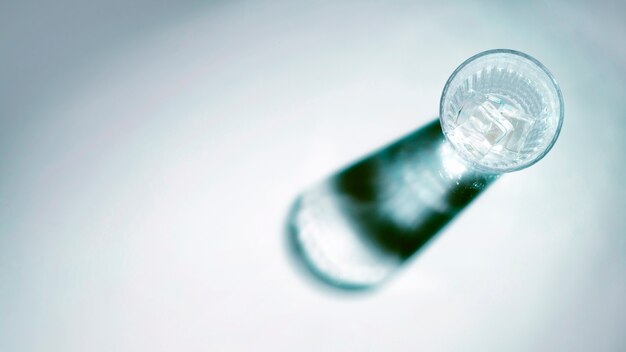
(500, 111)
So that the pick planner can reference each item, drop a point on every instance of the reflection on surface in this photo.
(357, 227)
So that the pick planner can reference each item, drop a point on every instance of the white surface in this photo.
(149, 154)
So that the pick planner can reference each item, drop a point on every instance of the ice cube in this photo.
(480, 125)
(490, 124)
(522, 124)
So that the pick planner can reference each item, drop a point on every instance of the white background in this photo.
(149, 153)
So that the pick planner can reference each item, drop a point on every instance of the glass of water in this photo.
(500, 111)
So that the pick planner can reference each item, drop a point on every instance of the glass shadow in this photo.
(356, 228)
